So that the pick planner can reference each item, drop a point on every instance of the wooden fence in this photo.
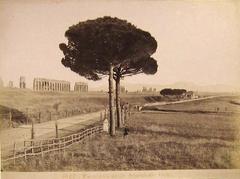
(41, 147)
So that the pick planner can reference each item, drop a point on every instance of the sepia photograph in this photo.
(120, 89)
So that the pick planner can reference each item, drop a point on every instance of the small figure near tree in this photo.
(126, 131)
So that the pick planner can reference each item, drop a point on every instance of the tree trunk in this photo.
(118, 107)
(111, 102)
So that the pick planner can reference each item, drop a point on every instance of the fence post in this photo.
(39, 117)
(53, 144)
(10, 119)
(50, 115)
(32, 135)
(25, 150)
(25, 153)
(90, 133)
(27, 116)
(56, 128)
(32, 131)
(59, 146)
(14, 153)
(101, 116)
(64, 144)
(48, 146)
(41, 149)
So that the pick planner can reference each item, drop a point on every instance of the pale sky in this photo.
(198, 41)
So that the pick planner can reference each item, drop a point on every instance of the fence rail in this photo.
(41, 147)
(26, 117)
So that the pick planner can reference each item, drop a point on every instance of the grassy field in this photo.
(156, 140)
(27, 104)
(218, 104)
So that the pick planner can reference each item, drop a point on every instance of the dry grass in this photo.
(155, 141)
(25, 103)
(224, 104)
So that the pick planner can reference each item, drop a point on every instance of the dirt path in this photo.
(18, 135)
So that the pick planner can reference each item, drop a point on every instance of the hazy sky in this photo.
(198, 41)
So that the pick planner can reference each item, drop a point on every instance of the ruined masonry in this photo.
(22, 83)
(81, 87)
(42, 84)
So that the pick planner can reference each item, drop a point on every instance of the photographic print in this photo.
(131, 88)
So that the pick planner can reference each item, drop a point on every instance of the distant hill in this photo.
(185, 85)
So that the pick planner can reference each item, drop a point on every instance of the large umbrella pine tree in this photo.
(96, 47)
